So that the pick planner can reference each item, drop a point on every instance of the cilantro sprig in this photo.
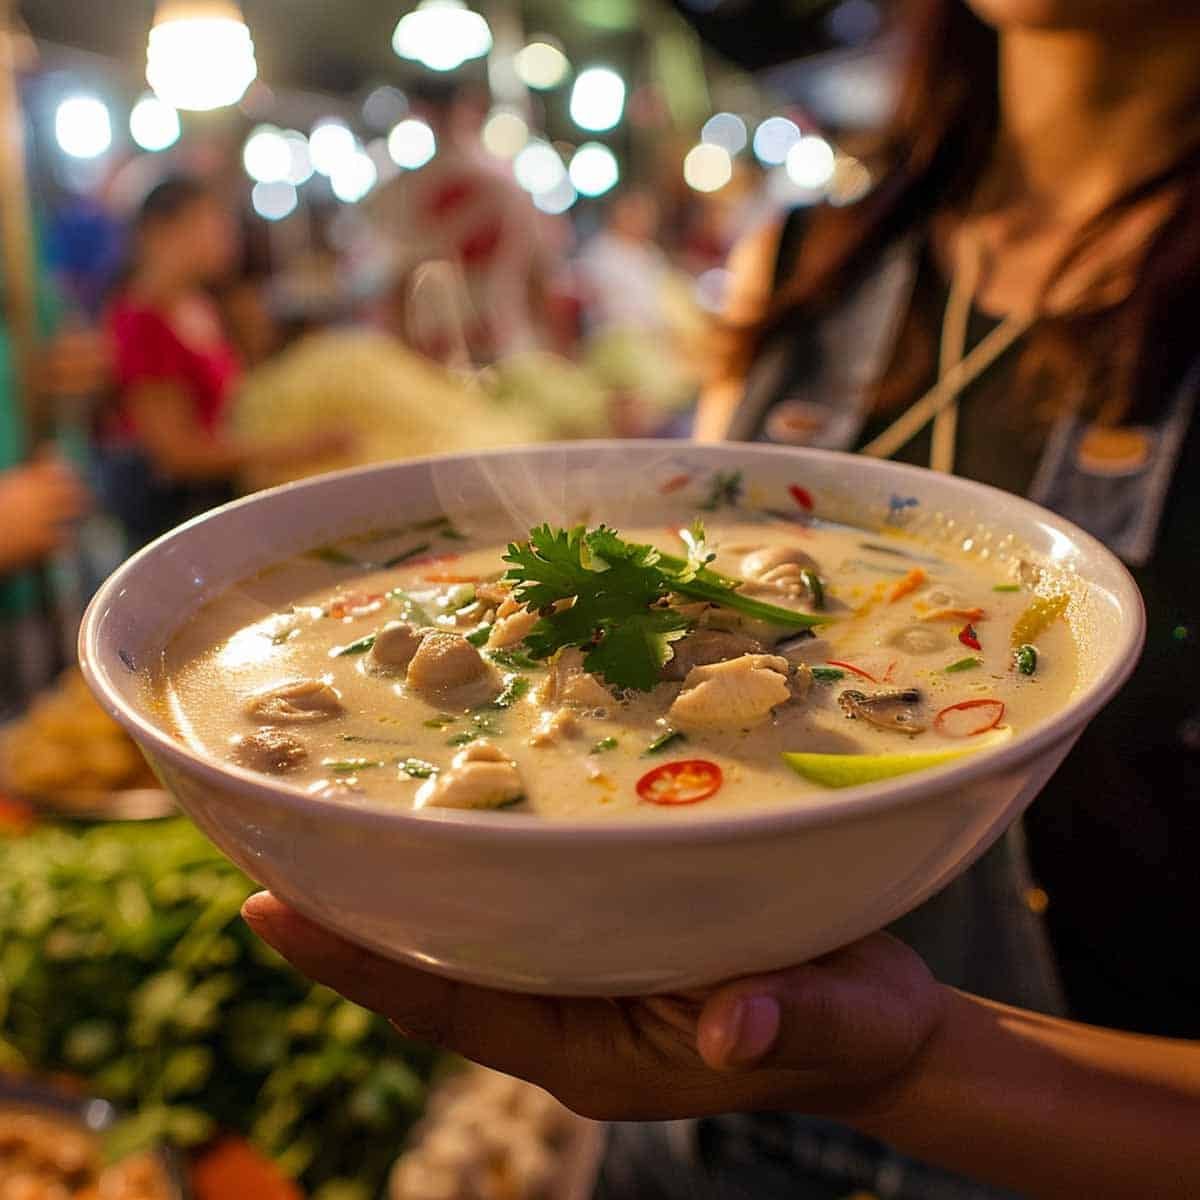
(608, 597)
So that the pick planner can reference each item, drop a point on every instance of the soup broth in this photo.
(404, 670)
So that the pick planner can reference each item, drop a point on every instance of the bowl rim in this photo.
(835, 807)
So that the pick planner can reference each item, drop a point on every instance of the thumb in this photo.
(861, 1014)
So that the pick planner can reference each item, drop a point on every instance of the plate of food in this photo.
(53, 1144)
(612, 718)
(66, 756)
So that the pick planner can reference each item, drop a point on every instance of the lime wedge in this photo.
(851, 770)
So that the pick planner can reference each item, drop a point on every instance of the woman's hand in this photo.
(837, 1037)
(39, 504)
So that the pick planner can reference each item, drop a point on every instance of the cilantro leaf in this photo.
(637, 649)
(608, 597)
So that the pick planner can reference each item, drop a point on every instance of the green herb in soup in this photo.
(584, 672)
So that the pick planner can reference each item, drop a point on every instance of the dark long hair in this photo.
(936, 147)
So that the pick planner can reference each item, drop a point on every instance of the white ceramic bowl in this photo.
(603, 908)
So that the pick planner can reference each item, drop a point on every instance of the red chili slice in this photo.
(802, 496)
(845, 666)
(687, 782)
(674, 484)
(970, 718)
(356, 604)
(970, 638)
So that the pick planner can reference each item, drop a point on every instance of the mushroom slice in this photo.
(446, 664)
(733, 694)
(396, 644)
(301, 703)
(480, 776)
(272, 751)
(898, 711)
(703, 647)
(786, 569)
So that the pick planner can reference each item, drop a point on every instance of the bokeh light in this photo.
(329, 145)
(810, 162)
(300, 167)
(558, 199)
(412, 144)
(598, 99)
(267, 156)
(707, 168)
(773, 139)
(354, 177)
(505, 133)
(726, 130)
(274, 201)
(154, 125)
(594, 170)
(539, 169)
(83, 127)
(542, 66)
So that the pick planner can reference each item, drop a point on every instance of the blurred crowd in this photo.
(185, 359)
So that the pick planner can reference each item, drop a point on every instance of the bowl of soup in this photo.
(612, 718)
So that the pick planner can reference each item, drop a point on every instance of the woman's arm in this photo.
(183, 450)
(1057, 1110)
(751, 276)
(175, 442)
(1051, 1108)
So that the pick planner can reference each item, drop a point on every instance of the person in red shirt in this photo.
(167, 452)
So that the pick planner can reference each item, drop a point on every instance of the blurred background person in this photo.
(167, 452)
(642, 321)
(465, 209)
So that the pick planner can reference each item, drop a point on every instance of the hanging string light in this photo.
(200, 54)
(442, 35)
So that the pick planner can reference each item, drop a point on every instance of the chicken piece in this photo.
(396, 644)
(304, 702)
(568, 683)
(733, 694)
(706, 646)
(271, 751)
(513, 623)
(479, 776)
(446, 666)
(562, 723)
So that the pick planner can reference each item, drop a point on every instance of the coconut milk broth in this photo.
(288, 623)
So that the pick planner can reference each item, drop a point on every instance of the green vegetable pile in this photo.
(123, 961)
(618, 592)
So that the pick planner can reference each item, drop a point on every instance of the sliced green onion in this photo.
(964, 664)
(816, 589)
(665, 740)
(514, 689)
(418, 768)
(360, 647)
(604, 744)
(405, 555)
(350, 766)
(828, 674)
(479, 637)
(409, 608)
(1007, 587)
(516, 659)
(333, 557)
